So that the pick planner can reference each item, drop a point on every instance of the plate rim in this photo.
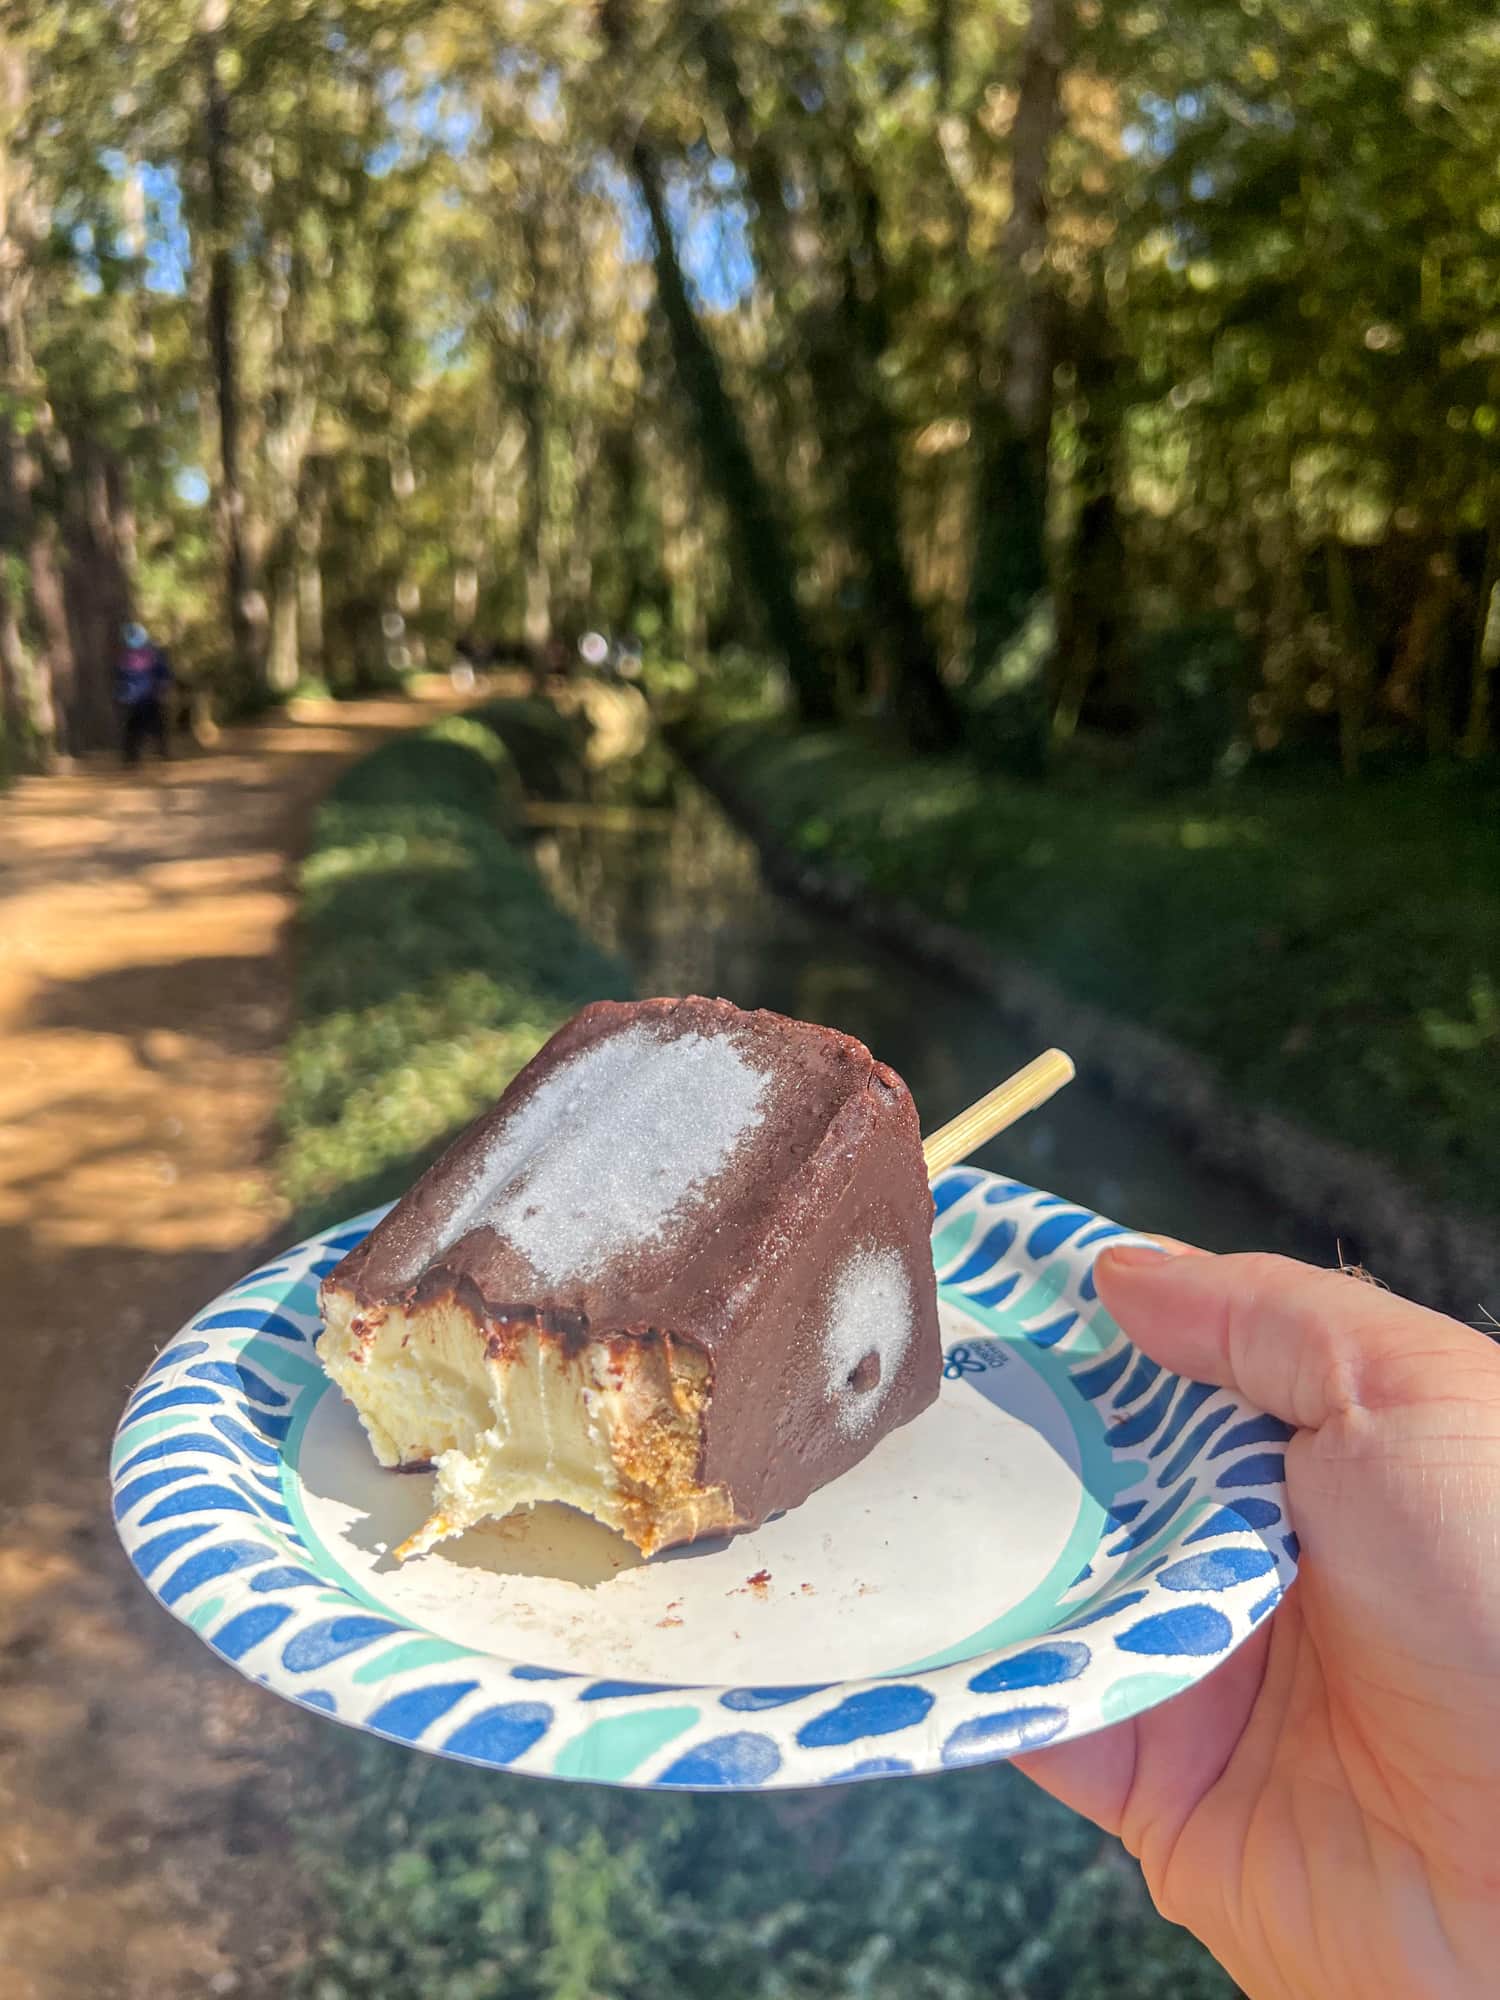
(742, 1736)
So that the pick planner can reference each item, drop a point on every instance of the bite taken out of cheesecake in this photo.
(679, 1277)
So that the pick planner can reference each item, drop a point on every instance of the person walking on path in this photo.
(142, 676)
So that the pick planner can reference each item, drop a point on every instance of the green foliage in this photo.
(545, 746)
(1009, 703)
(1259, 260)
(446, 1884)
(739, 685)
(1335, 950)
(669, 685)
(431, 966)
(1193, 681)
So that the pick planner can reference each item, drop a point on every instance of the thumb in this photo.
(1304, 1344)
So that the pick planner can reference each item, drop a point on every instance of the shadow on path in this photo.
(144, 995)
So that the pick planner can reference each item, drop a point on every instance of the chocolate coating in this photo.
(819, 1213)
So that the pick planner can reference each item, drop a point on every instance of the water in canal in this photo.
(674, 890)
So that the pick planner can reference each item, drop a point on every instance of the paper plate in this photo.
(1069, 1536)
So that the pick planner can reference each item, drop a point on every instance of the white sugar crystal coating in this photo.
(615, 1146)
(870, 1313)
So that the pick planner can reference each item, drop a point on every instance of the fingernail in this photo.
(1136, 1256)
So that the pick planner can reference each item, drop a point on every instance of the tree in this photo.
(63, 445)
(222, 320)
(1120, 360)
(836, 310)
(769, 574)
(1014, 414)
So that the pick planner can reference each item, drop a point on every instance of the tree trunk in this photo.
(537, 616)
(1014, 420)
(310, 641)
(56, 683)
(65, 507)
(768, 570)
(96, 589)
(53, 676)
(306, 564)
(25, 745)
(532, 399)
(1092, 592)
(473, 537)
(843, 349)
(284, 660)
(16, 743)
(783, 381)
(1417, 679)
(21, 529)
(921, 696)
(1356, 675)
(583, 459)
(223, 342)
(1478, 737)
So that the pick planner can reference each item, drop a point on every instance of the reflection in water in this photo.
(678, 895)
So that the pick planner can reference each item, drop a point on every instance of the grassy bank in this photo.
(431, 965)
(1335, 951)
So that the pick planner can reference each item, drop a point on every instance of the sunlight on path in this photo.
(144, 995)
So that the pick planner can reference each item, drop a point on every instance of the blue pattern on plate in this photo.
(248, 1628)
(739, 1761)
(1192, 1399)
(1250, 1511)
(751, 1699)
(1219, 1569)
(872, 1767)
(1194, 1549)
(220, 1560)
(991, 1736)
(876, 1712)
(148, 1557)
(1194, 1629)
(407, 1715)
(1255, 1430)
(1264, 1469)
(500, 1735)
(1192, 1445)
(1138, 1381)
(1043, 1666)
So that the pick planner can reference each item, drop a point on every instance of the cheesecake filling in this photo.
(510, 1414)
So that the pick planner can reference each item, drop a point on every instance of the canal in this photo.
(657, 874)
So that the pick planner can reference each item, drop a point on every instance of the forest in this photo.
(1014, 374)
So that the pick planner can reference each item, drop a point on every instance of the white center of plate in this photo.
(949, 1523)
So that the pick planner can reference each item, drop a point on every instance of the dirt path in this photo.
(144, 996)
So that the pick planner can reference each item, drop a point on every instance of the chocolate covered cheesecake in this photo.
(679, 1277)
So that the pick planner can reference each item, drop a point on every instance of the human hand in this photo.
(1324, 1810)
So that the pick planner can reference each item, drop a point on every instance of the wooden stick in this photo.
(998, 1108)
